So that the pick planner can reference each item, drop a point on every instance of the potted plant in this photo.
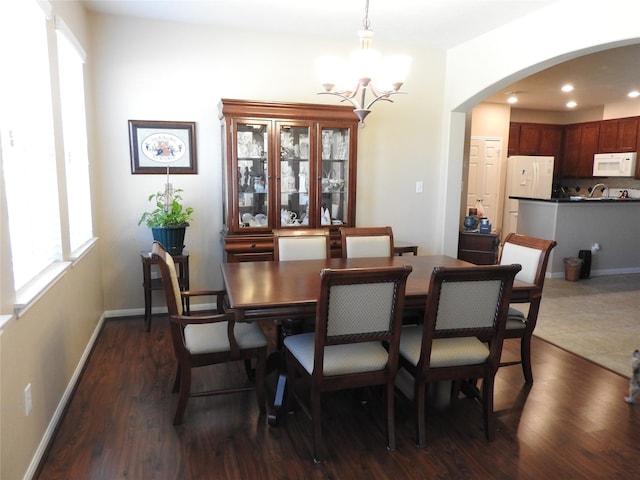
(169, 220)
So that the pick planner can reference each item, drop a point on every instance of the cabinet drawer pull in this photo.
(253, 245)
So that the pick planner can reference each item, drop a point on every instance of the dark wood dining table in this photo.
(267, 291)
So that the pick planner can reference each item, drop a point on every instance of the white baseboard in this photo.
(602, 273)
(133, 312)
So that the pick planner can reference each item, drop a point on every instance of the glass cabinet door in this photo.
(252, 175)
(294, 174)
(335, 176)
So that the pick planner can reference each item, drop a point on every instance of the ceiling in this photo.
(599, 78)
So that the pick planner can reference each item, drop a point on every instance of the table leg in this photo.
(276, 362)
(146, 284)
(278, 401)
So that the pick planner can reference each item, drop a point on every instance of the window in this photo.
(43, 145)
(27, 141)
(74, 134)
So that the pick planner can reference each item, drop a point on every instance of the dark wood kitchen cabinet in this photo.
(580, 145)
(536, 139)
(618, 135)
(478, 248)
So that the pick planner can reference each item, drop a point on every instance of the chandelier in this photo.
(366, 71)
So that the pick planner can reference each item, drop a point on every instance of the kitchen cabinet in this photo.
(618, 135)
(536, 139)
(478, 248)
(285, 165)
(580, 145)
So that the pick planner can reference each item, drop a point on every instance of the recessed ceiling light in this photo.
(567, 88)
(512, 99)
(633, 94)
(571, 104)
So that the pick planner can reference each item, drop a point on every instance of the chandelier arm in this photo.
(343, 96)
(382, 97)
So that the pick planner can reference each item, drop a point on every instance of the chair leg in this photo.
(487, 406)
(525, 355)
(316, 424)
(391, 425)
(419, 397)
(248, 368)
(183, 395)
(176, 380)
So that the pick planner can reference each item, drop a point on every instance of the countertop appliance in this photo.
(527, 176)
(614, 164)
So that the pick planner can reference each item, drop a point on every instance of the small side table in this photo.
(479, 248)
(400, 247)
(149, 284)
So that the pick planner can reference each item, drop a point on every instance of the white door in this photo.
(484, 176)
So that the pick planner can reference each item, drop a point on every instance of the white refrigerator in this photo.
(527, 176)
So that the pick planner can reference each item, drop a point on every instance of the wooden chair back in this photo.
(530, 252)
(366, 242)
(468, 302)
(301, 244)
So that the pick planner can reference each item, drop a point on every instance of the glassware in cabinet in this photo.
(294, 174)
(252, 144)
(335, 176)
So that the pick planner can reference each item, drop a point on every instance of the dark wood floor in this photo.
(573, 423)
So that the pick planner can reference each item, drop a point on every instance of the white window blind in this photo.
(27, 140)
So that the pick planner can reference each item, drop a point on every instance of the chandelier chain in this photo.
(366, 23)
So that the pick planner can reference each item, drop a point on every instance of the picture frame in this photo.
(156, 145)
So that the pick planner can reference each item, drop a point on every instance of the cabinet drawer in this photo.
(478, 248)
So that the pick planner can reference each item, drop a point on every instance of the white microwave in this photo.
(614, 164)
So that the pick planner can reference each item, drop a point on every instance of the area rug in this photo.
(596, 318)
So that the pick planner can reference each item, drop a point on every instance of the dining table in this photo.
(276, 290)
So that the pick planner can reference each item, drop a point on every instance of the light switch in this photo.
(419, 186)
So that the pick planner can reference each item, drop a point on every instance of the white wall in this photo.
(150, 70)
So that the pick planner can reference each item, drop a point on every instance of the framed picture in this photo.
(157, 145)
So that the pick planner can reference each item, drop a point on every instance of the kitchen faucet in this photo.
(593, 189)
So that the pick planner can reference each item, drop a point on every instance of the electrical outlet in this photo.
(419, 186)
(28, 404)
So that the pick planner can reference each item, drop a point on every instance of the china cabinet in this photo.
(285, 165)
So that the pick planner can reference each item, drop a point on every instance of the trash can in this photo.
(572, 266)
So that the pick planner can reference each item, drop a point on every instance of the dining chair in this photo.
(533, 254)
(355, 342)
(366, 242)
(464, 305)
(208, 339)
(301, 244)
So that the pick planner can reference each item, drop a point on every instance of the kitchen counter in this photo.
(578, 224)
(581, 200)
